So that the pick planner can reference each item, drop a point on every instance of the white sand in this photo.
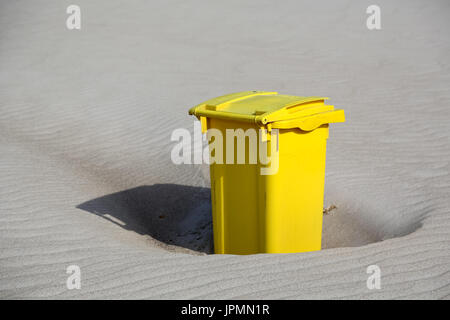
(85, 124)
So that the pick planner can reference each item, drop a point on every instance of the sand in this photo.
(85, 122)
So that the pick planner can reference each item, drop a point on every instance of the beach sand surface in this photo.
(86, 118)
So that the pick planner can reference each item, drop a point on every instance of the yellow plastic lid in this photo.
(270, 108)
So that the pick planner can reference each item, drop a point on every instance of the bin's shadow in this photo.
(175, 215)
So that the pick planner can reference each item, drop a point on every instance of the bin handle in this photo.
(311, 122)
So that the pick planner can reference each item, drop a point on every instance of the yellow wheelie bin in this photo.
(267, 198)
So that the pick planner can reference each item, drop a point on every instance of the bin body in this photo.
(275, 213)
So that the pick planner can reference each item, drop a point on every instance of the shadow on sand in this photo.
(173, 214)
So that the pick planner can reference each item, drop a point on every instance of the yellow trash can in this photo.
(267, 206)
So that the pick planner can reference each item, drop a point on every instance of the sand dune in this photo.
(85, 123)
